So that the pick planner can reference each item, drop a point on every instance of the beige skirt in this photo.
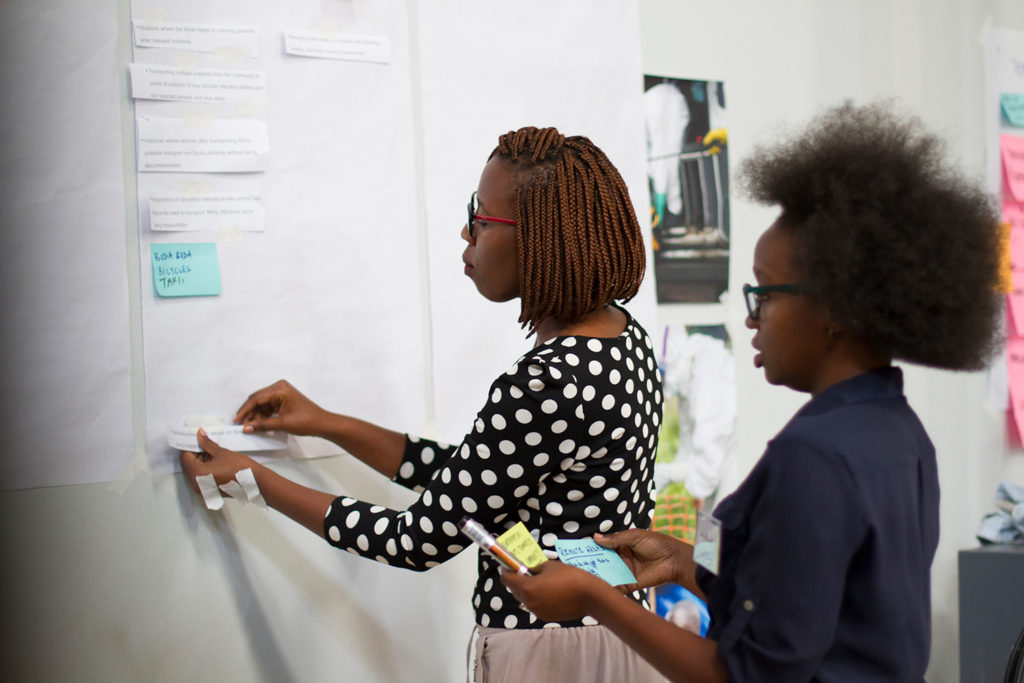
(585, 653)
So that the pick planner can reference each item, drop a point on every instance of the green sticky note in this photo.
(185, 269)
(586, 554)
(1013, 107)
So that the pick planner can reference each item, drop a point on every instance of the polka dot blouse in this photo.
(565, 443)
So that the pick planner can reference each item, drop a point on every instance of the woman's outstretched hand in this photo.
(653, 557)
(281, 406)
(212, 459)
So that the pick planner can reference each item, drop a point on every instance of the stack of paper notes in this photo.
(583, 553)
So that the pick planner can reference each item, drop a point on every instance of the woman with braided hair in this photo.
(881, 252)
(566, 438)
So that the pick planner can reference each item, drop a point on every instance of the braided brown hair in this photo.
(579, 243)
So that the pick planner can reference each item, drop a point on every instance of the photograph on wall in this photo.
(688, 177)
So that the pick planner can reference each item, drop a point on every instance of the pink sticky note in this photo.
(1012, 148)
(1015, 375)
(1017, 247)
(1013, 213)
(1016, 300)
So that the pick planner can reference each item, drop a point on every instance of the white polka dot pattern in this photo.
(565, 443)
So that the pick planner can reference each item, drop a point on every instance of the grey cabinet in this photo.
(991, 610)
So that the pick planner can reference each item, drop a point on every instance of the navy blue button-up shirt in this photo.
(827, 545)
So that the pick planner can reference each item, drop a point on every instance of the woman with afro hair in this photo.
(881, 252)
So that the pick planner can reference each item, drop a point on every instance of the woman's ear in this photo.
(835, 329)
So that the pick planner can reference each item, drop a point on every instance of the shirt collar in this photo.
(883, 383)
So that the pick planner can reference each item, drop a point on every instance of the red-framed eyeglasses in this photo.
(472, 216)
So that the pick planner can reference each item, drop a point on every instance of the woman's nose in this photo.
(750, 322)
(465, 233)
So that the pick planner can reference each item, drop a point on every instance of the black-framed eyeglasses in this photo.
(754, 295)
(473, 216)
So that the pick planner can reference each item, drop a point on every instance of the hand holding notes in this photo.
(517, 550)
(654, 558)
(181, 435)
(492, 546)
(559, 591)
(212, 459)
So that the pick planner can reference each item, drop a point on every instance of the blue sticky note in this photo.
(589, 556)
(1013, 107)
(185, 269)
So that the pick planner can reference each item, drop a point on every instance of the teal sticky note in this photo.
(1013, 107)
(587, 555)
(185, 269)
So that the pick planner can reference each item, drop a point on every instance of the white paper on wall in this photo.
(333, 45)
(327, 295)
(201, 145)
(179, 84)
(64, 341)
(194, 211)
(228, 39)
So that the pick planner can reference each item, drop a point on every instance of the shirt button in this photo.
(748, 605)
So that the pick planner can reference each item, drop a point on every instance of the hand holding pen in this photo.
(492, 547)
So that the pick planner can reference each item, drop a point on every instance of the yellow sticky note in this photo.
(520, 543)
(1010, 244)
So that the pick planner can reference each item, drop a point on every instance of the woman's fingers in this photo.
(263, 402)
(259, 403)
(263, 424)
(206, 443)
(192, 465)
(620, 539)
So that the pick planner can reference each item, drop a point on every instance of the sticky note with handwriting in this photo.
(1012, 149)
(520, 543)
(185, 269)
(1013, 213)
(586, 554)
(1015, 378)
(1016, 301)
(1013, 107)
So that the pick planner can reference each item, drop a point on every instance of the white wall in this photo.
(101, 583)
(782, 62)
(131, 580)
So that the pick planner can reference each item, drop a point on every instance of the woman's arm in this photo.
(380, 448)
(485, 481)
(559, 592)
(281, 406)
